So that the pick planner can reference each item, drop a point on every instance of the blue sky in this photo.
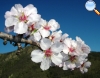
(72, 16)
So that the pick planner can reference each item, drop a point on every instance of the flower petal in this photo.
(29, 9)
(57, 47)
(45, 64)
(57, 59)
(8, 14)
(54, 25)
(19, 7)
(10, 21)
(14, 11)
(87, 64)
(37, 36)
(85, 70)
(34, 18)
(64, 36)
(44, 33)
(37, 56)
(67, 41)
(20, 28)
(65, 49)
(65, 56)
(71, 65)
(45, 43)
(42, 22)
(65, 67)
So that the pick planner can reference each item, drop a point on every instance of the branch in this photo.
(7, 37)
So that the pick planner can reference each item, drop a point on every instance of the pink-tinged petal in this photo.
(56, 59)
(19, 7)
(20, 28)
(10, 21)
(65, 49)
(14, 11)
(46, 63)
(34, 18)
(57, 47)
(37, 36)
(29, 9)
(37, 56)
(45, 44)
(54, 25)
(44, 33)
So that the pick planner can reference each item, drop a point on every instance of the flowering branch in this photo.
(53, 46)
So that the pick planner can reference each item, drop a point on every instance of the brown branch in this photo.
(9, 37)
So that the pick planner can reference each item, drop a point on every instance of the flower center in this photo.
(72, 58)
(31, 28)
(82, 65)
(47, 27)
(23, 17)
(48, 53)
(71, 49)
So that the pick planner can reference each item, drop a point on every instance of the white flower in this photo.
(71, 62)
(20, 17)
(34, 31)
(84, 48)
(50, 53)
(70, 47)
(52, 25)
(84, 67)
(55, 36)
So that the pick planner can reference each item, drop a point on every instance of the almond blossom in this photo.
(72, 62)
(55, 36)
(20, 17)
(34, 32)
(46, 27)
(50, 53)
(84, 66)
(70, 47)
(84, 48)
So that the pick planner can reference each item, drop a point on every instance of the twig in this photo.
(11, 38)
